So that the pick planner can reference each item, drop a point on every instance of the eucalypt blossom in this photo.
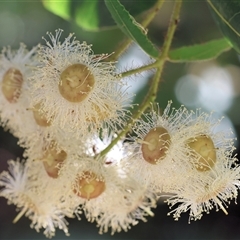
(86, 154)
(71, 81)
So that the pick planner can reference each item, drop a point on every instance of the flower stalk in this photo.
(159, 64)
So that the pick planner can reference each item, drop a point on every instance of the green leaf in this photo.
(200, 52)
(61, 9)
(86, 15)
(92, 15)
(130, 27)
(227, 16)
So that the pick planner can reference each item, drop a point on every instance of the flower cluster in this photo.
(66, 105)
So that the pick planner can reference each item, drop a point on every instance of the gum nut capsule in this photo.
(89, 186)
(11, 84)
(76, 82)
(53, 160)
(39, 116)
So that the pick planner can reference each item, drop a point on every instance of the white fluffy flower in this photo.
(157, 152)
(204, 191)
(77, 90)
(34, 195)
(16, 66)
(114, 201)
(214, 177)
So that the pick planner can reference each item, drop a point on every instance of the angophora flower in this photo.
(157, 151)
(67, 111)
(106, 196)
(32, 196)
(75, 89)
(215, 174)
(15, 69)
(207, 190)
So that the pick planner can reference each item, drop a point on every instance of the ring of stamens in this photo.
(101, 113)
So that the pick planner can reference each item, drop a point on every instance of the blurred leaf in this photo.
(227, 16)
(86, 15)
(200, 52)
(130, 27)
(92, 15)
(61, 9)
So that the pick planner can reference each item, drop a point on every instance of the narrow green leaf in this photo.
(200, 52)
(92, 15)
(59, 8)
(227, 16)
(130, 27)
(86, 15)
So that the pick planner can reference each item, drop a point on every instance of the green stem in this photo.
(139, 70)
(152, 93)
(171, 30)
(150, 14)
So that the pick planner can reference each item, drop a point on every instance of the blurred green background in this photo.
(212, 86)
